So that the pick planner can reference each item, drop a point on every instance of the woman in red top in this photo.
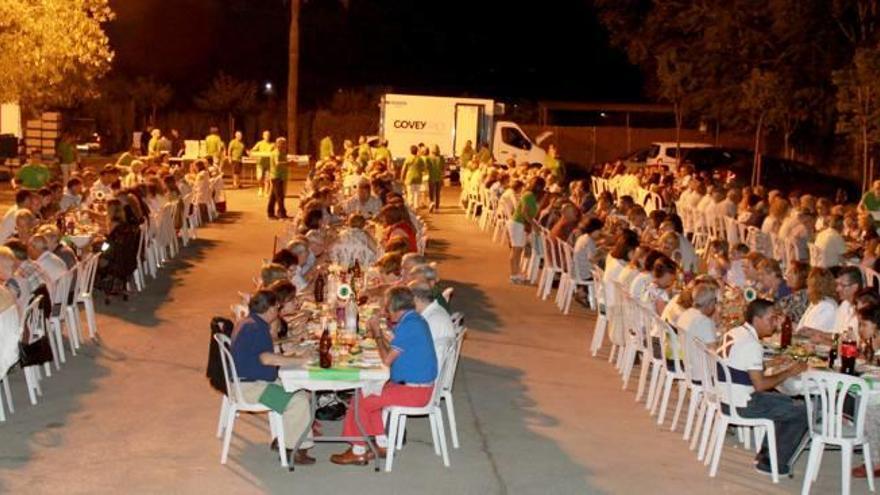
(396, 225)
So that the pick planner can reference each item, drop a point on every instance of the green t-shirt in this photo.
(213, 145)
(326, 148)
(526, 209)
(414, 169)
(364, 152)
(435, 168)
(467, 155)
(263, 146)
(555, 166)
(125, 159)
(278, 168)
(383, 153)
(871, 201)
(153, 146)
(32, 176)
(236, 150)
(66, 152)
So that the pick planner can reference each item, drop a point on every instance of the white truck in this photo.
(406, 120)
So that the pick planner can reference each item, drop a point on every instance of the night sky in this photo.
(555, 50)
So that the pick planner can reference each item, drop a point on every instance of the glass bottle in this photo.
(325, 345)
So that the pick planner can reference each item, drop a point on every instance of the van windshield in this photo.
(512, 137)
(654, 151)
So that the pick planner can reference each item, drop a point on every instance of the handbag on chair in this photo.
(36, 353)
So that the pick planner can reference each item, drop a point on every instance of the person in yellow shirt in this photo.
(214, 147)
(413, 169)
(153, 148)
(262, 151)
(326, 148)
(436, 166)
(363, 151)
(235, 151)
(278, 173)
(554, 164)
(382, 153)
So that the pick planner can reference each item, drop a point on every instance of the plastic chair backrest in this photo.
(670, 343)
(693, 357)
(34, 319)
(229, 371)
(815, 255)
(568, 260)
(731, 230)
(455, 355)
(86, 270)
(829, 391)
(599, 286)
(61, 291)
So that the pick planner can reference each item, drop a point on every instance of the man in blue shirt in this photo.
(414, 368)
(257, 367)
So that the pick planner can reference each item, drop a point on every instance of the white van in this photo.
(666, 153)
(406, 120)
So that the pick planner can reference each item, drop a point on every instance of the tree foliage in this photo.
(149, 95)
(228, 96)
(53, 51)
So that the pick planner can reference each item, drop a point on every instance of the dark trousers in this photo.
(789, 418)
(279, 187)
(434, 193)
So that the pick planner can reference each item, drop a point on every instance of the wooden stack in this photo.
(42, 134)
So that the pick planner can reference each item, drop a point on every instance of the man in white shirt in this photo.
(439, 321)
(849, 282)
(101, 189)
(830, 244)
(364, 202)
(800, 234)
(752, 390)
(696, 322)
(727, 207)
(584, 250)
(72, 197)
(24, 200)
(38, 252)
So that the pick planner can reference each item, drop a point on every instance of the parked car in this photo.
(666, 153)
(734, 166)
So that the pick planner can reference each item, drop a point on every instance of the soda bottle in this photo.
(785, 337)
(324, 347)
(832, 353)
(849, 351)
(319, 288)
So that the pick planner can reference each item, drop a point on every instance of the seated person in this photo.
(414, 369)
(354, 243)
(753, 394)
(270, 273)
(53, 236)
(257, 365)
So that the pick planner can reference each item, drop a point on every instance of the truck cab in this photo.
(510, 141)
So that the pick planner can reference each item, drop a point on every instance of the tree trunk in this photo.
(153, 115)
(678, 119)
(864, 156)
(230, 122)
(756, 166)
(293, 76)
(717, 132)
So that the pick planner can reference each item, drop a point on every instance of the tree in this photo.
(228, 96)
(54, 51)
(293, 75)
(676, 84)
(759, 92)
(858, 90)
(149, 96)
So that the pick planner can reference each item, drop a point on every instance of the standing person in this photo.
(325, 148)
(67, 155)
(363, 151)
(214, 147)
(177, 144)
(554, 164)
(413, 169)
(263, 151)
(382, 153)
(521, 224)
(435, 177)
(278, 172)
(235, 151)
(467, 154)
(153, 148)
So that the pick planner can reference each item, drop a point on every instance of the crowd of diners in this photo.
(645, 229)
(358, 208)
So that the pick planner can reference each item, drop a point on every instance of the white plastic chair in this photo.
(601, 314)
(234, 403)
(449, 381)
(720, 378)
(827, 392)
(672, 373)
(62, 314)
(552, 265)
(33, 319)
(396, 420)
(571, 279)
(872, 278)
(695, 373)
(637, 344)
(85, 281)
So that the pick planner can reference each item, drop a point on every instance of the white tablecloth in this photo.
(370, 381)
